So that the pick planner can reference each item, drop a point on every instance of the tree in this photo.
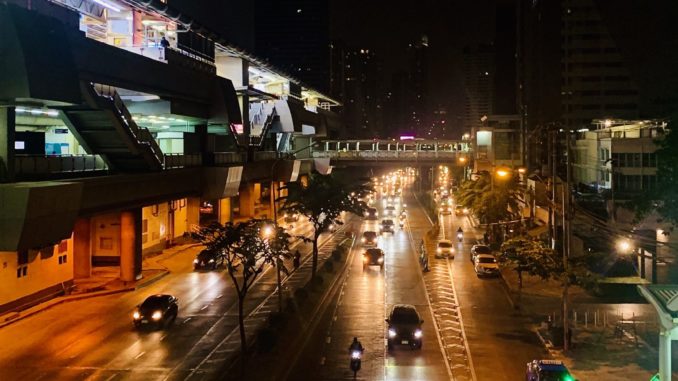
(664, 198)
(278, 241)
(322, 201)
(491, 203)
(531, 256)
(246, 252)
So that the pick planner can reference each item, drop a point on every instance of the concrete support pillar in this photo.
(82, 249)
(225, 214)
(192, 211)
(327, 146)
(357, 146)
(257, 193)
(130, 245)
(246, 200)
(665, 355)
(7, 139)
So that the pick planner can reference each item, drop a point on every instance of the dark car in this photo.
(479, 249)
(387, 226)
(369, 238)
(208, 259)
(371, 213)
(157, 310)
(547, 370)
(373, 257)
(404, 326)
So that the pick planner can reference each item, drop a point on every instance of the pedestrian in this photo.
(164, 42)
(297, 259)
(486, 238)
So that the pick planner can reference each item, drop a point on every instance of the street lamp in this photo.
(624, 246)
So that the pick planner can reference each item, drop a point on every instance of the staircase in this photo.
(105, 127)
(262, 117)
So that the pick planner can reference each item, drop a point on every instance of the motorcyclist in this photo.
(460, 233)
(356, 346)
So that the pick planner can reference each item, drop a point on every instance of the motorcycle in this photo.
(355, 361)
(460, 235)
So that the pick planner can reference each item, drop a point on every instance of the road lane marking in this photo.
(186, 321)
(112, 377)
(322, 360)
(139, 355)
(329, 339)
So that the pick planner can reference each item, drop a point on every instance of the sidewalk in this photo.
(104, 281)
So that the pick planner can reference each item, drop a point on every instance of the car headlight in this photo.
(391, 332)
(380, 260)
(439, 250)
(362, 240)
(156, 315)
(195, 261)
(365, 259)
(211, 260)
(136, 315)
(417, 334)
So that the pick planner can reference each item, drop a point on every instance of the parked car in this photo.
(387, 226)
(404, 326)
(369, 238)
(460, 210)
(291, 217)
(373, 257)
(158, 310)
(486, 265)
(371, 214)
(479, 249)
(444, 249)
(208, 259)
(547, 370)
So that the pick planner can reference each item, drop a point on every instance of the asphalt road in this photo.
(359, 311)
(500, 338)
(93, 339)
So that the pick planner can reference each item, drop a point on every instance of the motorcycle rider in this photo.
(356, 346)
(460, 234)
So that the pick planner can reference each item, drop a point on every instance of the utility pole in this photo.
(567, 233)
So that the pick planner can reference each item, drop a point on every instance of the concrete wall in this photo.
(43, 278)
(155, 231)
(106, 239)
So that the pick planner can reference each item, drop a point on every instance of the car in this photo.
(444, 249)
(479, 249)
(371, 213)
(486, 265)
(404, 327)
(158, 310)
(547, 370)
(208, 259)
(373, 257)
(445, 210)
(387, 226)
(291, 217)
(460, 210)
(369, 238)
(390, 210)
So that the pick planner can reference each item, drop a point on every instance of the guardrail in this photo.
(44, 164)
(386, 155)
(180, 160)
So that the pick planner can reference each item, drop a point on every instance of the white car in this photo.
(445, 249)
(390, 211)
(486, 265)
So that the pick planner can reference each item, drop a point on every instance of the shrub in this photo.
(277, 320)
(266, 339)
(301, 294)
(336, 254)
(329, 266)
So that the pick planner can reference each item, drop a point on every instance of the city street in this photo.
(93, 339)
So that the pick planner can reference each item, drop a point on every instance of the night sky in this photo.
(387, 27)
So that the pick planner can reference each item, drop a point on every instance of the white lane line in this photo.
(328, 340)
(112, 377)
(186, 321)
(204, 307)
(139, 355)
(461, 326)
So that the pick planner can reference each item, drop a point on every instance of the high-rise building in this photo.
(294, 35)
(504, 100)
(362, 99)
(419, 117)
(596, 81)
(478, 84)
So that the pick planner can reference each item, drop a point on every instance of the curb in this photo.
(18, 316)
(507, 290)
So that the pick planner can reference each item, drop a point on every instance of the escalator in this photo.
(104, 126)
